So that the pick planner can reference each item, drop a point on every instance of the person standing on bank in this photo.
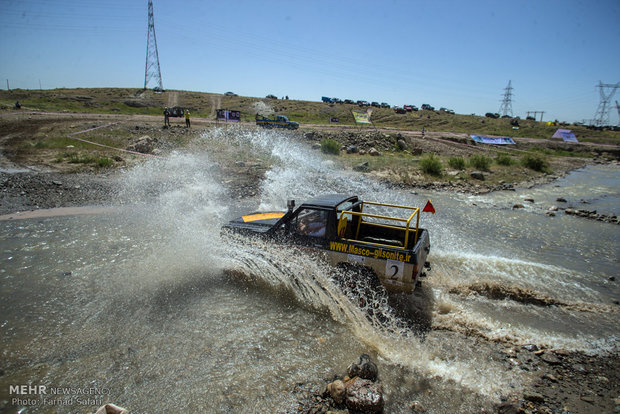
(187, 123)
(166, 117)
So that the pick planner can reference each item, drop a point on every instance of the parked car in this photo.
(385, 105)
(408, 108)
(327, 99)
(492, 115)
(427, 107)
(230, 94)
(400, 110)
(375, 104)
(348, 101)
(363, 103)
(337, 100)
(272, 97)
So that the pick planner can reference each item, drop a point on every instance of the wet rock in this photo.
(529, 199)
(530, 347)
(553, 208)
(145, 145)
(402, 145)
(550, 377)
(337, 391)
(417, 407)
(508, 408)
(550, 359)
(352, 149)
(364, 395)
(587, 398)
(560, 200)
(533, 396)
(111, 409)
(516, 206)
(363, 167)
(365, 368)
(550, 213)
(477, 175)
(374, 152)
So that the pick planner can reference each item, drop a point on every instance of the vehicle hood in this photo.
(257, 222)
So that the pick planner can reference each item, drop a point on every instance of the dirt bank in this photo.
(43, 165)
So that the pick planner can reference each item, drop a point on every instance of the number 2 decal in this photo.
(394, 269)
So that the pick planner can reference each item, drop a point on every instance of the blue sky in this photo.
(456, 54)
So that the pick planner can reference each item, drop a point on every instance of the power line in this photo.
(505, 109)
(601, 117)
(152, 70)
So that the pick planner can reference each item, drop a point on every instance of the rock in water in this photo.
(111, 409)
(337, 391)
(364, 395)
(365, 368)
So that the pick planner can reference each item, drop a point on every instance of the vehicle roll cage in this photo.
(342, 222)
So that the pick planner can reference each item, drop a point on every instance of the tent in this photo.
(566, 134)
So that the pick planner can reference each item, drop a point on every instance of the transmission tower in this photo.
(506, 106)
(152, 71)
(601, 117)
(618, 108)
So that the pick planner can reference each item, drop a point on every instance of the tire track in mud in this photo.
(216, 102)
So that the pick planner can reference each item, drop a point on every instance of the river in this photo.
(137, 305)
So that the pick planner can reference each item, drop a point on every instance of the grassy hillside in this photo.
(202, 104)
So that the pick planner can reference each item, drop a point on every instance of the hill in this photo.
(203, 104)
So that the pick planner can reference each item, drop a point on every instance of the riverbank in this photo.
(70, 159)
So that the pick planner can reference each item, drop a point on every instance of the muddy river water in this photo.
(136, 306)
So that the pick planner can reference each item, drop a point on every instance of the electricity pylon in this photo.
(152, 70)
(618, 108)
(601, 117)
(506, 106)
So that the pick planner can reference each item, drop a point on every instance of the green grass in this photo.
(504, 159)
(458, 163)
(330, 146)
(431, 165)
(104, 162)
(480, 162)
(535, 162)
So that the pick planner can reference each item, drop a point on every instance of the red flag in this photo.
(428, 208)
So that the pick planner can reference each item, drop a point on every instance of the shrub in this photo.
(480, 162)
(504, 159)
(330, 146)
(457, 163)
(104, 162)
(535, 162)
(75, 158)
(431, 165)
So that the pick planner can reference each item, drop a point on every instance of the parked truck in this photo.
(383, 239)
(280, 121)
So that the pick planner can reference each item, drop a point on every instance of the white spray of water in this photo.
(300, 173)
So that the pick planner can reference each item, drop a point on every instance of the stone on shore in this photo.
(337, 391)
(364, 368)
(364, 395)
